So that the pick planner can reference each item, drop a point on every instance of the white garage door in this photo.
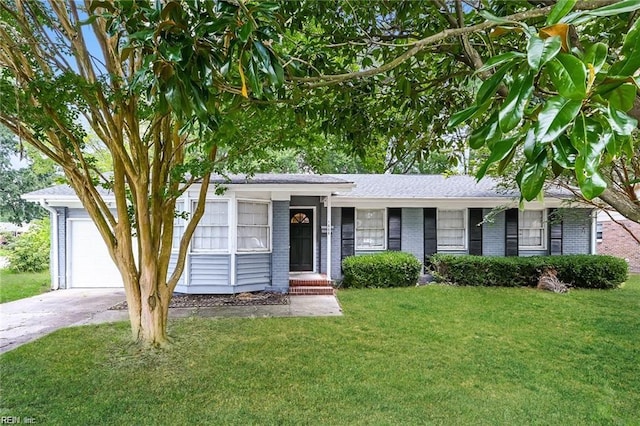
(89, 263)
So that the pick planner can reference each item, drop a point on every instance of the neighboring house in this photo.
(269, 231)
(613, 239)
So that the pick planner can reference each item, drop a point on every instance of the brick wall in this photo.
(617, 242)
(412, 232)
(280, 252)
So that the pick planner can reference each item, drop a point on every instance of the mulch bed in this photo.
(210, 300)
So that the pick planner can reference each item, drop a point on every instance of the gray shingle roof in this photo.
(422, 187)
(279, 178)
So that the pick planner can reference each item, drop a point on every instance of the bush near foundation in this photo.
(580, 271)
(29, 252)
(380, 270)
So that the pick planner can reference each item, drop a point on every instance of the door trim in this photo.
(315, 236)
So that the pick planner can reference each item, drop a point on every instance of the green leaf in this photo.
(620, 122)
(591, 183)
(490, 85)
(540, 51)
(564, 153)
(631, 52)
(499, 151)
(500, 59)
(569, 76)
(533, 176)
(622, 97)
(558, 12)
(493, 18)
(513, 107)
(616, 8)
(596, 55)
(532, 147)
(462, 116)
(556, 115)
(490, 131)
(245, 31)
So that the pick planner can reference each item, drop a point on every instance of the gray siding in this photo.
(493, 235)
(412, 240)
(576, 232)
(253, 268)
(61, 235)
(280, 251)
(336, 236)
(172, 264)
(77, 214)
(209, 270)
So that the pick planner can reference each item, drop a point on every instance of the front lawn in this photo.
(434, 355)
(14, 285)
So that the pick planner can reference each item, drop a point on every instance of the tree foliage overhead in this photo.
(153, 81)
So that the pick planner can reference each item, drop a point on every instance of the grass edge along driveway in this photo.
(434, 354)
(14, 285)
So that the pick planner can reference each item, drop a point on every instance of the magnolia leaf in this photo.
(490, 85)
(244, 91)
(462, 116)
(513, 107)
(590, 182)
(540, 51)
(499, 60)
(559, 11)
(556, 115)
(557, 30)
(564, 153)
(532, 147)
(624, 6)
(493, 18)
(490, 131)
(631, 52)
(620, 122)
(623, 97)
(533, 176)
(502, 30)
(569, 76)
(499, 151)
(596, 55)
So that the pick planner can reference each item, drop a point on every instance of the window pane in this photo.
(253, 213)
(212, 231)
(370, 229)
(531, 232)
(253, 237)
(451, 231)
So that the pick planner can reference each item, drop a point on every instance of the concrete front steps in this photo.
(309, 284)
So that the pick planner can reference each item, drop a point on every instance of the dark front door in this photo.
(301, 240)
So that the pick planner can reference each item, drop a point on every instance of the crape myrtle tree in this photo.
(153, 80)
(548, 87)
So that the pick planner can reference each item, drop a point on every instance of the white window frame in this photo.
(228, 226)
(599, 231)
(180, 223)
(384, 229)
(465, 220)
(543, 219)
(269, 226)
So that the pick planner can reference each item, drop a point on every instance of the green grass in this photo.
(14, 286)
(428, 355)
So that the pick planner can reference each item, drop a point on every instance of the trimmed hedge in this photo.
(387, 269)
(580, 271)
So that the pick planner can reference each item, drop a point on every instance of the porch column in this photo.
(329, 237)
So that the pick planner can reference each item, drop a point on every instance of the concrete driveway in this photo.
(24, 320)
(28, 319)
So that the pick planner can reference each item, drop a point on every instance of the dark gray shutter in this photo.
(511, 232)
(348, 230)
(394, 229)
(475, 231)
(430, 234)
(555, 232)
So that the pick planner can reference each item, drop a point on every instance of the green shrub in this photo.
(580, 271)
(29, 252)
(387, 269)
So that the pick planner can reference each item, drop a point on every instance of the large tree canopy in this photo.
(153, 81)
(552, 87)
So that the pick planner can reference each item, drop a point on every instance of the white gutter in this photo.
(594, 230)
(53, 254)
